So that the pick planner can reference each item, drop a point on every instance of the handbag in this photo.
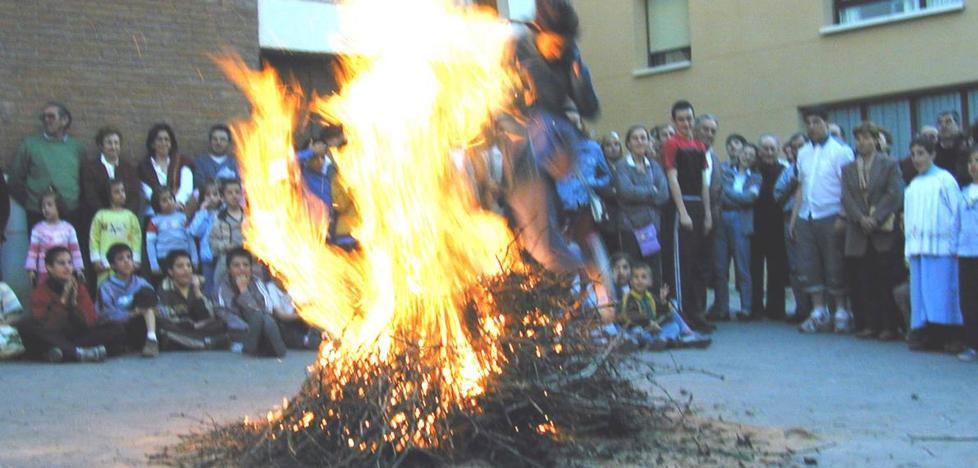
(648, 239)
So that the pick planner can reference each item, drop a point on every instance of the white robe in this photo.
(932, 214)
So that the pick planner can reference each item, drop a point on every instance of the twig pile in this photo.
(554, 384)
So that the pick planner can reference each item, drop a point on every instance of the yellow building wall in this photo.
(755, 62)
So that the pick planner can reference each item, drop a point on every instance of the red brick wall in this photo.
(128, 63)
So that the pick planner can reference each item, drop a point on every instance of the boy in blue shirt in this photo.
(129, 301)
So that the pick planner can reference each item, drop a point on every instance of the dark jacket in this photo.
(884, 194)
(554, 82)
(95, 184)
(768, 213)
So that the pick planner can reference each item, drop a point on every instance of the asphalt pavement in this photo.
(865, 399)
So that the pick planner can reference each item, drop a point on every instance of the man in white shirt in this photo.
(817, 224)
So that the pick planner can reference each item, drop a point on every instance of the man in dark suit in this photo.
(768, 243)
(872, 195)
(705, 131)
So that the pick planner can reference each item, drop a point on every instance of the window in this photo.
(903, 115)
(668, 29)
(847, 118)
(893, 115)
(857, 11)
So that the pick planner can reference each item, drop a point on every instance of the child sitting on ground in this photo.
(129, 301)
(621, 274)
(244, 303)
(51, 232)
(645, 319)
(186, 318)
(295, 332)
(111, 226)
(167, 231)
(62, 324)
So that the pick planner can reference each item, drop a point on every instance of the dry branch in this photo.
(556, 385)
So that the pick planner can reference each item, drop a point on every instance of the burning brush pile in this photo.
(445, 345)
(554, 385)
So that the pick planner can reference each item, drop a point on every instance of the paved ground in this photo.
(863, 397)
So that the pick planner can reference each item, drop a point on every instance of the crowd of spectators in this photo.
(875, 241)
(871, 241)
(141, 257)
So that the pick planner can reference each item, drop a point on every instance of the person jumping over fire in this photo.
(537, 139)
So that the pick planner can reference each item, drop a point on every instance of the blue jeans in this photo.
(732, 241)
(638, 335)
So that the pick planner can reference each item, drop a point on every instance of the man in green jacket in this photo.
(52, 158)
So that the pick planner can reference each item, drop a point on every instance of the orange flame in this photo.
(425, 83)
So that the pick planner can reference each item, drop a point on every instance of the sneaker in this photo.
(968, 355)
(102, 352)
(92, 354)
(237, 347)
(151, 349)
(695, 340)
(843, 321)
(818, 321)
(55, 355)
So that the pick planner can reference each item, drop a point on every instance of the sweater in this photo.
(115, 297)
(207, 169)
(200, 228)
(110, 227)
(166, 233)
(46, 235)
(46, 307)
(42, 162)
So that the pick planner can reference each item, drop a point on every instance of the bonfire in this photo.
(445, 343)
